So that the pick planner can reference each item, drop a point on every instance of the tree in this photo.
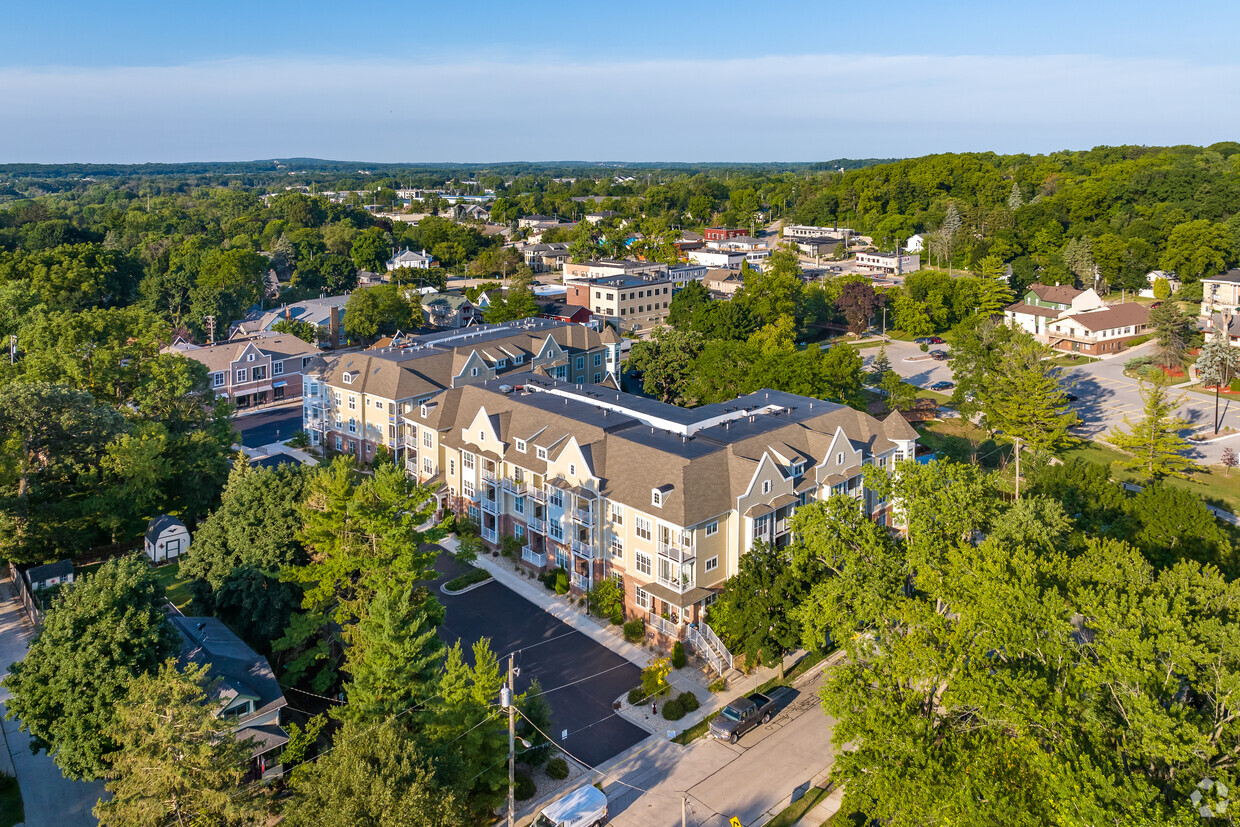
(901, 396)
(994, 293)
(382, 308)
(1197, 248)
(1171, 329)
(947, 233)
(1035, 523)
(1155, 443)
(177, 760)
(773, 291)
(664, 360)
(858, 302)
(754, 614)
(1216, 364)
(910, 315)
(1025, 400)
(1162, 289)
(1169, 524)
(880, 366)
(102, 632)
(377, 775)
(1015, 199)
(1078, 254)
(685, 304)
(371, 250)
(302, 330)
(394, 653)
(1229, 460)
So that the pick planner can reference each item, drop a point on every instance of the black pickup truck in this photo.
(742, 715)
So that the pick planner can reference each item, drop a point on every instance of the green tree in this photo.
(1216, 364)
(100, 634)
(377, 775)
(371, 250)
(1155, 443)
(754, 614)
(686, 303)
(1025, 400)
(1162, 289)
(774, 291)
(1169, 524)
(177, 760)
(302, 330)
(1197, 248)
(664, 360)
(382, 308)
(901, 396)
(880, 366)
(1172, 330)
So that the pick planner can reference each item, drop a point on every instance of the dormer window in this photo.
(542, 453)
(348, 377)
(798, 469)
(424, 411)
(766, 486)
(518, 359)
(656, 498)
(502, 363)
(521, 445)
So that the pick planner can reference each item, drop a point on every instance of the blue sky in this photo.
(132, 81)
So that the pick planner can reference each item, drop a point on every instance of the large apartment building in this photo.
(353, 402)
(253, 370)
(663, 499)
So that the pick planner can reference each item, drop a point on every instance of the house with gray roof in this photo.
(326, 313)
(252, 369)
(449, 311)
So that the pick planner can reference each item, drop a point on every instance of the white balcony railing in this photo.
(536, 525)
(583, 549)
(673, 551)
(490, 535)
(580, 581)
(583, 516)
(680, 584)
(515, 487)
(490, 506)
(536, 558)
(666, 626)
(537, 495)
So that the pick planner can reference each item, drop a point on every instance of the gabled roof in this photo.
(1058, 293)
(236, 668)
(61, 568)
(159, 525)
(1117, 315)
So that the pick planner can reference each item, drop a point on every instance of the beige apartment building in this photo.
(662, 499)
(353, 402)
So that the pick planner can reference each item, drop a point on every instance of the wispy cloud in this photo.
(769, 108)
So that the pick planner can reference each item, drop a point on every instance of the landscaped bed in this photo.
(470, 578)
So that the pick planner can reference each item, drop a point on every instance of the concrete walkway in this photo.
(50, 799)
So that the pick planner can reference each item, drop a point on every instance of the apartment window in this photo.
(518, 359)
(611, 296)
(557, 498)
(258, 372)
(572, 470)
(467, 461)
(378, 404)
(798, 469)
(760, 526)
(452, 468)
(352, 402)
(518, 505)
(217, 379)
(643, 563)
(656, 498)
(277, 368)
(557, 531)
(427, 467)
(617, 548)
(541, 453)
(766, 486)
(643, 528)
(352, 426)
(339, 443)
(617, 514)
(521, 445)
(598, 294)
(352, 447)
(305, 360)
(712, 563)
(427, 439)
(712, 528)
(482, 436)
(473, 371)
(502, 363)
(249, 357)
(337, 396)
(241, 374)
(839, 458)
(641, 597)
(581, 362)
(598, 359)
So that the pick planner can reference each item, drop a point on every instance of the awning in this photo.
(782, 500)
(758, 510)
(680, 601)
(278, 384)
(265, 738)
(259, 389)
(808, 484)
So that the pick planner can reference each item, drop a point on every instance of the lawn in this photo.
(176, 587)
(793, 812)
(11, 811)
(1071, 359)
(961, 440)
(1212, 483)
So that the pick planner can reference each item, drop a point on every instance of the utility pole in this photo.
(683, 818)
(506, 697)
(210, 320)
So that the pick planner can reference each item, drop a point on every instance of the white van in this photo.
(583, 807)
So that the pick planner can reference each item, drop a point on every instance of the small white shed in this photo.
(167, 538)
(51, 574)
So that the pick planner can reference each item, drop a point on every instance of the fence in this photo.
(29, 606)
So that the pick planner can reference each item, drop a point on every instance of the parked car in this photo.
(1071, 397)
(943, 385)
(742, 715)
(935, 340)
(583, 807)
(922, 340)
(940, 355)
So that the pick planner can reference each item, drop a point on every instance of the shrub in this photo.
(464, 525)
(924, 348)
(468, 579)
(618, 618)
(678, 655)
(558, 769)
(635, 630)
(524, 787)
(511, 546)
(1138, 362)
(606, 598)
(561, 581)
(636, 696)
(718, 685)
(468, 547)
(688, 701)
(673, 711)
(654, 677)
(299, 440)
(1234, 387)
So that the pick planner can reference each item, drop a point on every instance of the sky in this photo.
(132, 81)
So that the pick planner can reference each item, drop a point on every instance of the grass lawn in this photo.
(1212, 483)
(960, 440)
(11, 811)
(790, 814)
(1070, 359)
(175, 586)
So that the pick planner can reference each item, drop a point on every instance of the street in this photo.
(725, 781)
(50, 799)
(268, 426)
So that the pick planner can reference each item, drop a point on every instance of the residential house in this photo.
(243, 689)
(326, 313)
(891, 264)
(1154, 275)
(532, 221)
(1043, 303)
(49, 575)
(255, 369)
(601, 215)
(449, 311)
(353, 402)
(1221, 293)
(727, 282)
(411, 260)
(166, 539)
(1099, 331)
(664, 500)
(543, 258)
(915, 243)
(564, 312)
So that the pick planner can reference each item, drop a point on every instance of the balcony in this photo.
(490, 535)
(583, 517)
(489, 506)
(534, 558)
(536, 525)
(584, 549)
(516, 487)
(679, 553)
(681, 584)
(580, 581)
(537, 495)
(491, 477)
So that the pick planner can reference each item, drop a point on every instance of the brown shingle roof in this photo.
(1059, 293)
(1117, 315)
(1033, 310)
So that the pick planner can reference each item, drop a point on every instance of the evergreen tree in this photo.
(178, 762)
(1158, 449)
(1171, 329)
(1026, 401)
(880, 366)
(1015, 199)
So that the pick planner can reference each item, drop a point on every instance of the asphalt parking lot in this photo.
(268, 426)
(580, 677)
(922, 372)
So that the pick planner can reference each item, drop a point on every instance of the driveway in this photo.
(724, 781)
(580, 677)
(50, 799)
(269, 426)
(910, 363)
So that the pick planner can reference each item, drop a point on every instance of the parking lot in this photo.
(580, 677)
(907, 360)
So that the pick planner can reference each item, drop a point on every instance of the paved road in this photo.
(269, 426)
(554, 653)
(49, 798)
(722, 780)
